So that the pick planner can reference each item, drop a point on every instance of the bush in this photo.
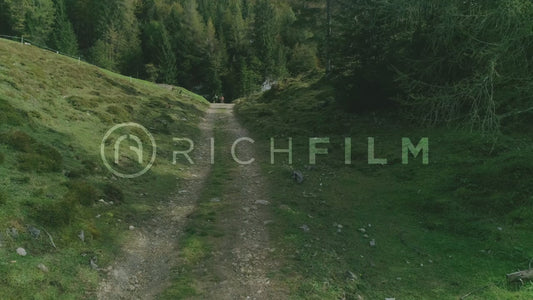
(119, 113)
(54, 214)
(20, 141)
(3, 198)
(36, 157)
(81, 192)
(303, 60)
(90, 166)
(113, 193)
(28, 162)
(12, 116)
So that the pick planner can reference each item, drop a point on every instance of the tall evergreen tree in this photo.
(63, 37)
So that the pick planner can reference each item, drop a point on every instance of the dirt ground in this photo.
(240, 259)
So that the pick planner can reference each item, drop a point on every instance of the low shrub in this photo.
(12, 116)
(36, 156)
(3, 198)
(54, 214)
(81, 192)
(113, 193)
(20, 141)
(40, 163)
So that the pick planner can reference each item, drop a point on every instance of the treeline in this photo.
(457, 61)
(228, 47)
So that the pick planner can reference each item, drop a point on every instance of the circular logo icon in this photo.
(130, 135)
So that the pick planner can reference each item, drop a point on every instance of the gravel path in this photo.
(240, 260)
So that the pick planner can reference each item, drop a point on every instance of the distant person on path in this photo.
(221, 99)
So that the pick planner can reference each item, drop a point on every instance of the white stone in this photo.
(21, 252)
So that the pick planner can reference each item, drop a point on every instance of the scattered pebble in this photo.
(284, 207)
(373, 243)
(298, 176)
(365, 236)
(132, 227)
(215, 200)
(500, 229)
(13, 232)
(362, 230)
(351, 275)
(305, 228)
(21, 252)
(34, 232)
(93, 263)
(262, 202)
(82, 236)
(43, 268)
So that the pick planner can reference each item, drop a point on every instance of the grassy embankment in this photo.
(54, 112)
(441, 231)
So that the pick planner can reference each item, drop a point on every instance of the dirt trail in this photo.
(240, 260)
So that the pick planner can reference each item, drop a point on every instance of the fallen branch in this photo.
(51, 239)
(520, 276)
(514, 113)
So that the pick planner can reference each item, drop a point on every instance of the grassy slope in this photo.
(54, 112)
(442, 231)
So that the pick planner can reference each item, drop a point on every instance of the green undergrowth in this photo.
(452, 228)
(54, 112)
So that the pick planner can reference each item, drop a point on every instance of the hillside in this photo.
(57, 200)
(452, 228)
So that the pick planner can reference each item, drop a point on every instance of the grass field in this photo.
(449, 229)
(54, 112)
